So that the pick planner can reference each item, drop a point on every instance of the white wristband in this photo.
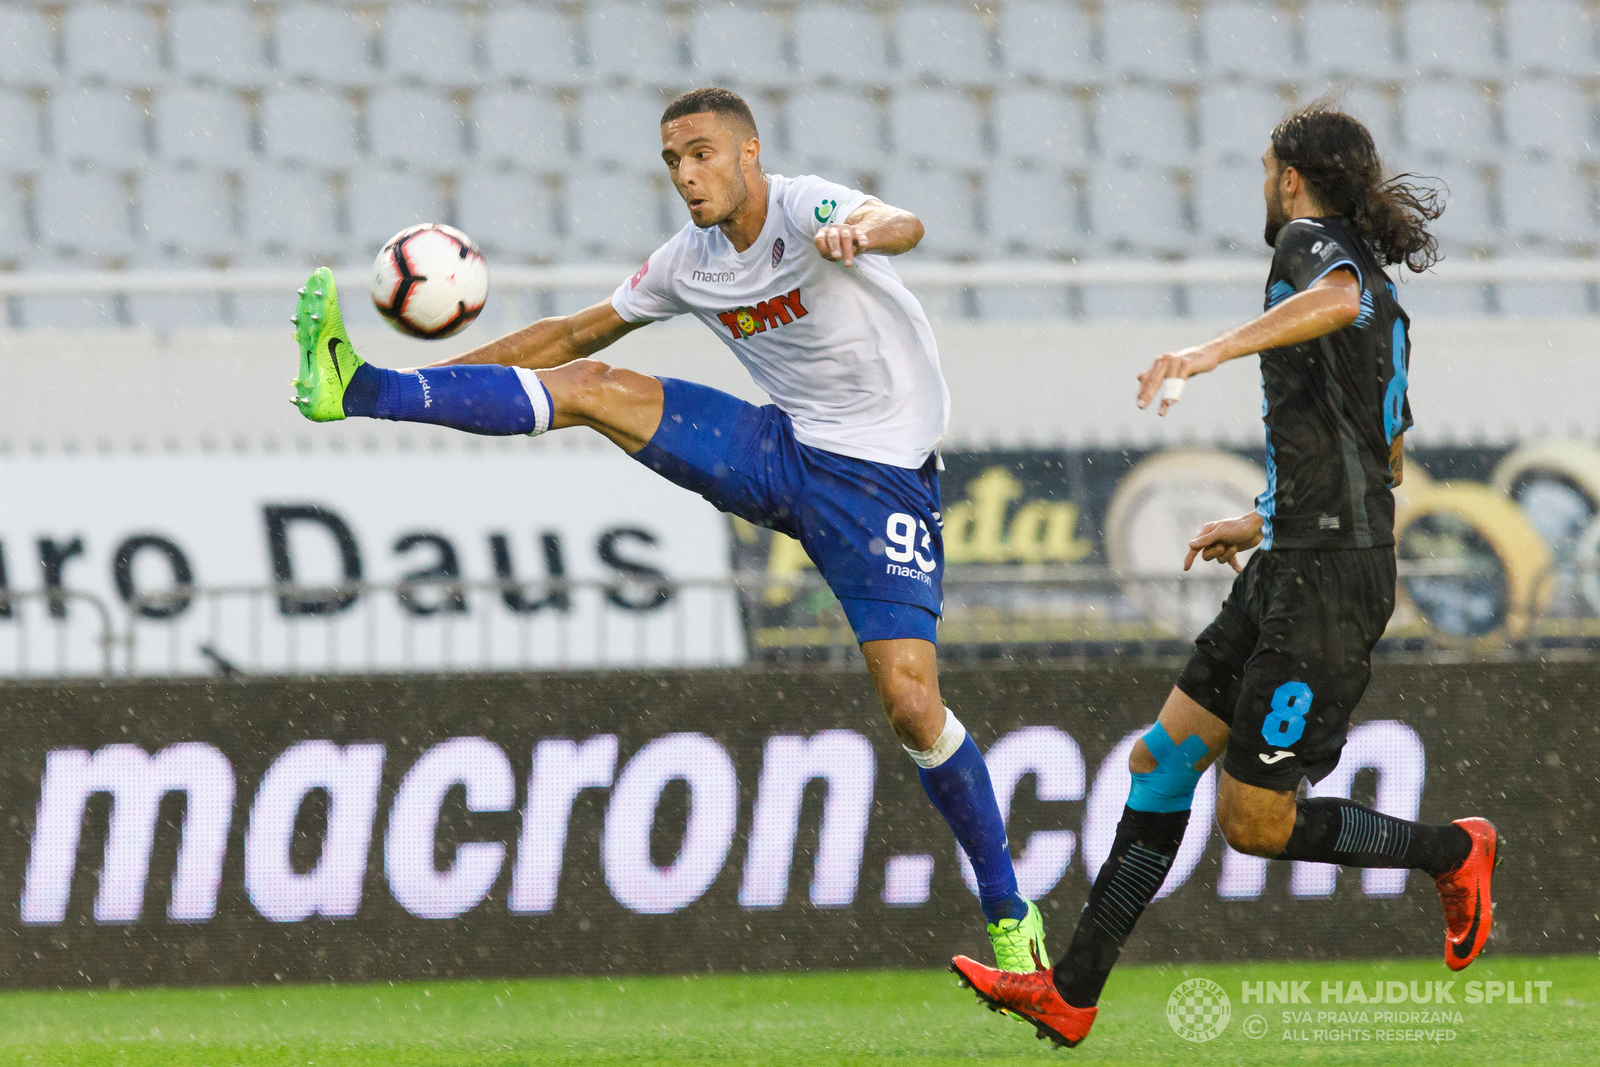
(1171, 389)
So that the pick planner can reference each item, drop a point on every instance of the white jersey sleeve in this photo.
(814, 202)
(650, 295)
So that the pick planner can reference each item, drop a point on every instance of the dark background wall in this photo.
(1514, 742)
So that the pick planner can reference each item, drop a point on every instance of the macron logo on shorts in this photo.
(768, 315)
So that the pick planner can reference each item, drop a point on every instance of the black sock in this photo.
(1140, 856)
(1329, 830)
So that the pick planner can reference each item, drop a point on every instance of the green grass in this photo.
(826, 1018)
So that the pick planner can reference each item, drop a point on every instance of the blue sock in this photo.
(477, 398)
(960, 788)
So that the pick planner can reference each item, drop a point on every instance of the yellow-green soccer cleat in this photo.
(327, 359)
(1019, 943)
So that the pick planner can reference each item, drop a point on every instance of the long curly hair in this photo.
(1336, 156)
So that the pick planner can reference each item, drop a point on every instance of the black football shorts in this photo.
(1286, 660)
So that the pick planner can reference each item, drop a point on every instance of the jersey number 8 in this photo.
(1291, 703)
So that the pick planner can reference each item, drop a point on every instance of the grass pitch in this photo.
(826, 1018)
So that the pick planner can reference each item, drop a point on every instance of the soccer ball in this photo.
(430, 281)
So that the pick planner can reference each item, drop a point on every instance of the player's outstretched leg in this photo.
(956, 779)
(335, 383)
(1461, 858)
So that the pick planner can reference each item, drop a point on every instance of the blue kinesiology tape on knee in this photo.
(1170, 787)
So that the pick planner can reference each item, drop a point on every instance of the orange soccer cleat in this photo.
(1028, 995)
(1464, 890)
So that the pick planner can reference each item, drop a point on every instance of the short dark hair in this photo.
(713, 99)
(1336, 156)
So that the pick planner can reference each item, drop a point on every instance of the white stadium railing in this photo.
(917, 273)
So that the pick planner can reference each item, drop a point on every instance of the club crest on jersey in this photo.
(777, 253)
(768, 315)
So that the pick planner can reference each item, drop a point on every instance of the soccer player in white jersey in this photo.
(792, 274)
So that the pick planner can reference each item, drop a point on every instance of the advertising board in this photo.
(417, 826)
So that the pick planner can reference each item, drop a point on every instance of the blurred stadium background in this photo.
(171, 531)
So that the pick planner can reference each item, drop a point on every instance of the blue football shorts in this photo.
(871, 528)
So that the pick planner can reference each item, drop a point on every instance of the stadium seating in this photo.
(27, 47)
(1550, 37)
(616, 216)
(218, 43)
(841, 43)
(316, 127)
(830, 129)
(1138, 211)
(1141, 123)
(104, 126)
(1033, 211)
(324, 45)
(1450, 37)
(1040, 126)
(939, 126)
(944, 43)
(511, 215)
(1025, 128)
(1246, 39)
(521, 128)
(1349, 38)
(20, 149)
(1151, 39)
(428, 43)
(633, 42)
(738, 46)
(531, 45)
(204, 127)
(187, 215)
(415, 128)
(1049, 41)
(1549, 120)
(1447, 121)
(84, 216)
(120, 44)
(1234, 120)
(288, 211)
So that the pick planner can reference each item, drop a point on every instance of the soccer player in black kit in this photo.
(1272, 682)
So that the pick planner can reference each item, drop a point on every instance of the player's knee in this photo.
(1249, 831)
(582, 384)
(1164, 775)
(915, 709)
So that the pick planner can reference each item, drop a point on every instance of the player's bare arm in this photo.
(874, 227)
(554, 341)
(1397, 459)
(1331, 304)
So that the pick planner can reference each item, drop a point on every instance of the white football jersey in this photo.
(845, 352)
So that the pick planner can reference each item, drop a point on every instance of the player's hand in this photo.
(1224, 539)
(840, 242)
(1179, 365)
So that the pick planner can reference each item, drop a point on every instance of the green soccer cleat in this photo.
(327, 359)
(1019, 943)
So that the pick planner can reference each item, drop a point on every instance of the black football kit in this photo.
(1288, 657)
